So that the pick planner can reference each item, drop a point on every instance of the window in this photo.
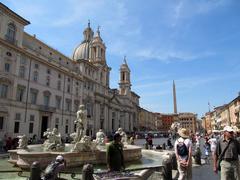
(59, 76)
(76, 91)
(17, 116)
(3, 90)
(66, 129)
(46, 100)
(56, 122)
(30, 128)
(76, 105)
(23, 60)
(20, 93)
(32, 117)
(33, 96)
(89, 110)
(1, 122)
(48, 81)
(48, 71)
(7, 67)
(59, 85)
(68, 105)
(58, 102)
(36, 66)
(11, 32)
(35, 76)
(16, 127)
(22, 71)
(69, 80)
(68, 88)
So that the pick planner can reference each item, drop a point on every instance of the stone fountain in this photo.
(82, 150)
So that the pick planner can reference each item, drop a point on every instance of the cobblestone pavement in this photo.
(204, 172)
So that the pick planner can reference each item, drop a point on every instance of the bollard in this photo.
(167, 169)
(87, 172)
(197, 156)
(174, 161)
(146, 145)
(164, 146)
(35, 171)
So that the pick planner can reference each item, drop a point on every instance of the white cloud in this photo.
(168, 55)
(186, 9)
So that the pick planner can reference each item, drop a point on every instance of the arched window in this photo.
(35, 76)
(11, 32)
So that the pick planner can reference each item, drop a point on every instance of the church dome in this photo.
(82, 51)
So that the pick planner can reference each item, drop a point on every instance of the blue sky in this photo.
(195, 43)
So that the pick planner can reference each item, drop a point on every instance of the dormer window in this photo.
(11, 32)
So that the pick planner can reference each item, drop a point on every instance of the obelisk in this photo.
(174, 98)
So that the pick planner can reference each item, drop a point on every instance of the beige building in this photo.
(188, 121)
(42, 88)
(227, 114)
(147, 120)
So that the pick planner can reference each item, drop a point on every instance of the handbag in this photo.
(221, 157)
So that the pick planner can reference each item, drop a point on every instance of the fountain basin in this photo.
(24, 158)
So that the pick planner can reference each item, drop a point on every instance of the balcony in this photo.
(10, 40)
(47, 109)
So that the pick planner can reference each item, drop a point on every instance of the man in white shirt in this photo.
(183, 151)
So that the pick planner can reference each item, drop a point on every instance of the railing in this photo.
(11, 39)
(47, 108)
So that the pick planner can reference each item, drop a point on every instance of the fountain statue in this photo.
(100, 137)
(22, 142)
(80, 124)
(53, 141)
(82, 142)
(123, 134)
(80, 151)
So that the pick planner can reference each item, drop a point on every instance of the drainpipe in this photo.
(63, 100)
(28, 82)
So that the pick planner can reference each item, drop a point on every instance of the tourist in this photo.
(213, 143)
(52, 170)
(226, 155)
(9, 143)
(183, 151)
(169, 143)
(115, 159)
(149, 141)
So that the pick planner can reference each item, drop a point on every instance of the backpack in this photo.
(182, 149)
(49, 171)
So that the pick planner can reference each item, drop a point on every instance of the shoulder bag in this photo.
(221, 157)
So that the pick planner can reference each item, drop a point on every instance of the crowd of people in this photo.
(223, 147)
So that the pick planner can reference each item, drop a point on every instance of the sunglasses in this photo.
(231, 132)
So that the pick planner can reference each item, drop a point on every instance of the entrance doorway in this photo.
(44, 125)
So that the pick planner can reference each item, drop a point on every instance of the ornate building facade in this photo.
(42, 88)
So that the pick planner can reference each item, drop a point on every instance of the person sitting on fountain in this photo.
(115, 158)
(52, 170)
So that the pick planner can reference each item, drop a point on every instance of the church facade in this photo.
(42, 88)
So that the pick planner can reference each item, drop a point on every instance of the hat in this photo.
(228, 129)
(116, 135)
(59, 158)
(183, 133)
